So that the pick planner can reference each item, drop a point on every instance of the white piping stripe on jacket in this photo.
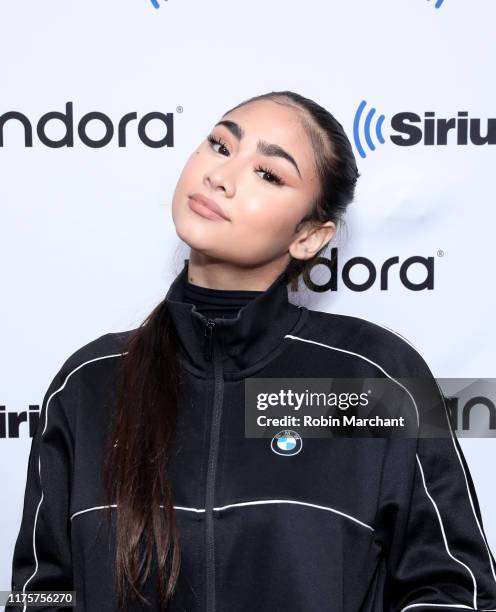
(444, 535)
(248, 503)
(418, 458)
(460, 461)
(290, 501)
(426, 603)
(115, 506)
(39, 461)
(94, 508)
(335, 348)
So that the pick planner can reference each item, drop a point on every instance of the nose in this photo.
(220, 178)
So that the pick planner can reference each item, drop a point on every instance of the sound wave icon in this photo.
(438, 4)
(367, 128)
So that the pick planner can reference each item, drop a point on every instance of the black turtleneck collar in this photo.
(224, 303)
(244, 342)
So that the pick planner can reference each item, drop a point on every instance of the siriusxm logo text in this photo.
(10, 422)
(390, 267)
(125, 124)
(411, 129)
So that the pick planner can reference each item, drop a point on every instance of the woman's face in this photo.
(262, 192)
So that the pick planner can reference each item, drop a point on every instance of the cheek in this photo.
(263, 229)
(274, 214)
(192, 172)
(189, 180)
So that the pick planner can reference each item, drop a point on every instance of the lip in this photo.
(206, 207)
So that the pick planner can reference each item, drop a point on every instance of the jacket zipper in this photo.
(209, 331)
(212, 460)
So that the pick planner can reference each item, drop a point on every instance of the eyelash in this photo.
(277, 180)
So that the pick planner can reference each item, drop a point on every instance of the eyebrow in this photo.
(263, 147)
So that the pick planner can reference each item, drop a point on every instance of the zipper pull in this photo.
(209, 329)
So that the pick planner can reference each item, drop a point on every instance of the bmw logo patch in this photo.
(286, 443)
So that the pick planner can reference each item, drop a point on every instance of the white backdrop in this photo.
(87, 243)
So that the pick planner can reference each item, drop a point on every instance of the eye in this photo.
(275, 178)
(214, 141)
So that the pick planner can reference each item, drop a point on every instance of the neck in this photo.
(210, 273)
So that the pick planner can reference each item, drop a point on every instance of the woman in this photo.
(144, 431)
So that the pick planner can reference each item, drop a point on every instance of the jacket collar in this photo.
(256, 333)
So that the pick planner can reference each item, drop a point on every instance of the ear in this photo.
(311, 240)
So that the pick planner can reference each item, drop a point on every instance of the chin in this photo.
(195, 236)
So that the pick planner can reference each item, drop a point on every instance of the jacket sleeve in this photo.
(429, 521)
(42, 553)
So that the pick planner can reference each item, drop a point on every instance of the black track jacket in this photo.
(346, 525)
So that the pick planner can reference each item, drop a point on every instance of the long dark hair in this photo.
(137, 448)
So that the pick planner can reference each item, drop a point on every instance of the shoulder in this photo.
(382, 345)
(101, 352)
(90, 367)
